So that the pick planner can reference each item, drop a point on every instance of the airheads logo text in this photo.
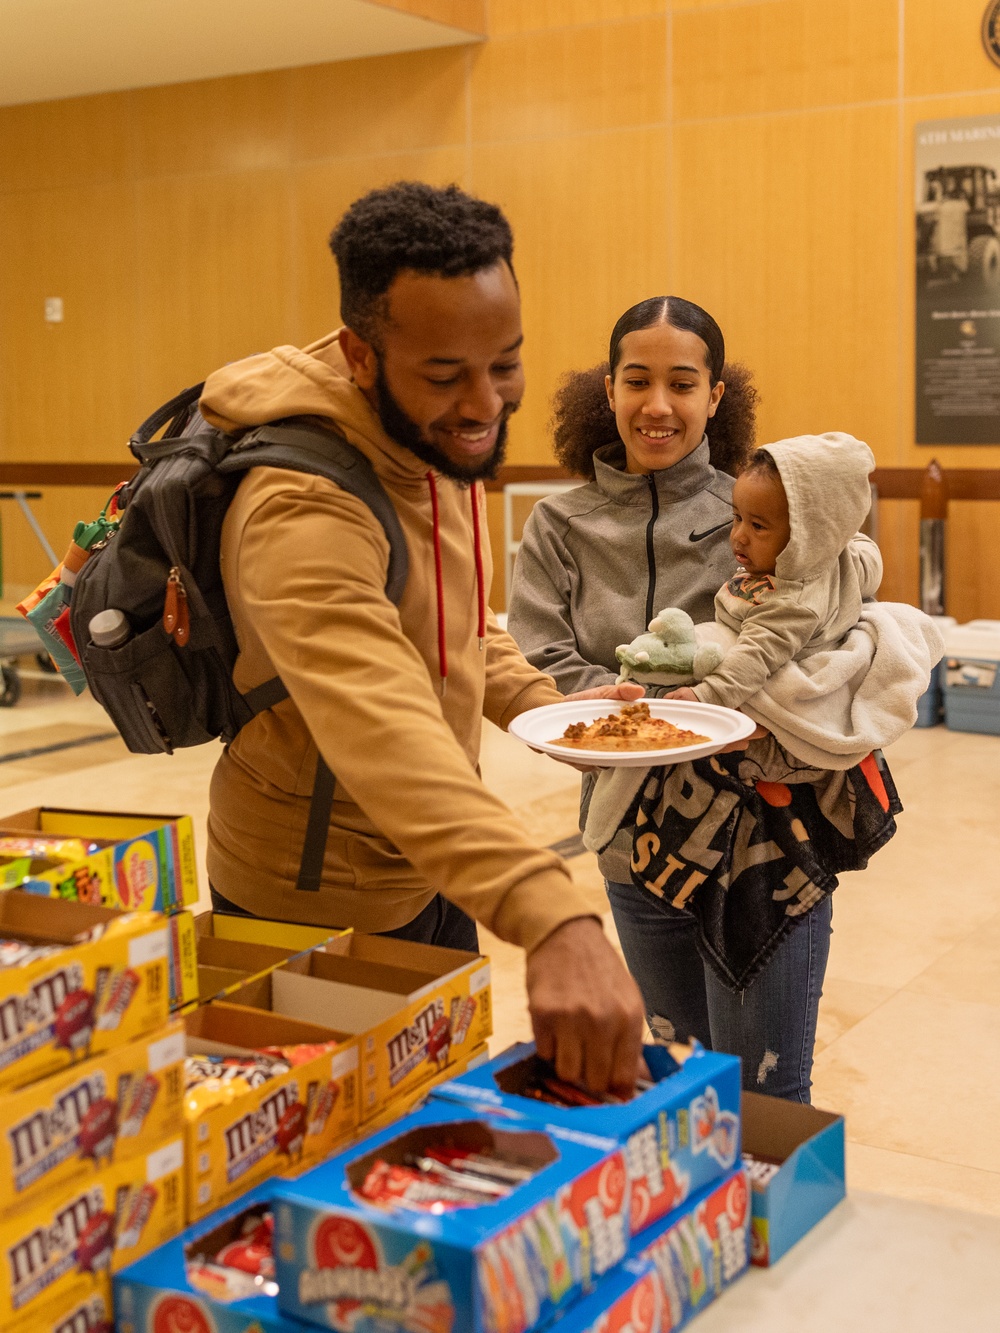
(48, 1136)
(27, 1021)
(349, 1276)
(179, 1314)
(259, 1132)
(80, 1235)
(415, 1043)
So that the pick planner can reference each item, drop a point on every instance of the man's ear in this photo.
(609, 390)
(361, 358)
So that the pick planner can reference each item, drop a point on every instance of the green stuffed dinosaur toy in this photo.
(671, 652)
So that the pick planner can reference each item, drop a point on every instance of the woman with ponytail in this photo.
(660, 432)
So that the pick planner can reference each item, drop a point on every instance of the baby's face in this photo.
(760, 529)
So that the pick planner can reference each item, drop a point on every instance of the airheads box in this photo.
(286, 1123)
(62, 1247)
(701, 1249)
(144, 862)
(681, 1134)
(628, 1300)
(75, 981)
(415, 1008)
(795, 1158)
(109, 1108)
(178, 1288)
(348, 1264)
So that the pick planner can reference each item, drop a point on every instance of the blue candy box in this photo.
(357, 1266)
(679, 1135)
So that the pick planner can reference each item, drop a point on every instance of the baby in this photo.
(804, 567)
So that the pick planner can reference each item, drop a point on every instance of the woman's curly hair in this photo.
(582, 421)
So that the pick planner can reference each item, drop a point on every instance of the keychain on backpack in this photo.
(47, 608)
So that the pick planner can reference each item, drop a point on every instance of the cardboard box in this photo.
(257, 930)
(146, 864)
(224, 964)
(61, 1248)
(628, 1300)
(416, 1008)
(287, 1123)
(98, 980)
(700, 1249)
(66, 1127)
(167, 1290)
(510, 1263)
(92, 1314)
(810, 1180)
(679, 1136)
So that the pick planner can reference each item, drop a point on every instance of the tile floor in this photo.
(909, 1038)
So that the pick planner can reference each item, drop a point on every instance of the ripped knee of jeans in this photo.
(661, 1029)
(767, 1066)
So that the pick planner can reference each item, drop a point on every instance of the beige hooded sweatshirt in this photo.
(820, 579)
(304, 567)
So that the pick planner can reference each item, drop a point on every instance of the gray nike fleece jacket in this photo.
(598, 562)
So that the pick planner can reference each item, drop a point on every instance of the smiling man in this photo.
(421, 379)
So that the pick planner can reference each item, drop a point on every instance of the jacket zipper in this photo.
(650, 549)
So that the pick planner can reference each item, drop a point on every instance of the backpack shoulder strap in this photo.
(304, 445)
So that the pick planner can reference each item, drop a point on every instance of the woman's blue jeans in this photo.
(771, 1025)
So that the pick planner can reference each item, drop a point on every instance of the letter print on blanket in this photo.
(749, 859)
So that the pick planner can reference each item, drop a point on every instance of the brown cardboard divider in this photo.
(36, 920)
(429, 960)
(531, 1149)
(773, 1129)
(232, 1025)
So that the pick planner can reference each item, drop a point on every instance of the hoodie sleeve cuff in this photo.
(537, 906)
(541, 691)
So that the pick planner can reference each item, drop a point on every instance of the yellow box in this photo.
(71, 1313)
(182, 958)
(290, 1122)
(227, 955)
(62, 1247)
(95, 980)
(403, 1105)
(65, 1127)
(147, 862)
(257, 930)
(416, 1008)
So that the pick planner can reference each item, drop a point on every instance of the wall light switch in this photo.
(53, 310)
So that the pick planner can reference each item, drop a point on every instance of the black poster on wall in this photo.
(958, 281)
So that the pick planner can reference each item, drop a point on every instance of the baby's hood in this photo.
(826, 483)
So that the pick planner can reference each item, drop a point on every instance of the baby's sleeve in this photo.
(867, 561)
(771, 634)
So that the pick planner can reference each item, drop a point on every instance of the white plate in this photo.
(539, 726)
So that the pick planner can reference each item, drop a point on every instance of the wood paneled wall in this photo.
(752, 155)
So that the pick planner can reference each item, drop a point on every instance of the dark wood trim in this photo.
(67, 474)
(894, 483)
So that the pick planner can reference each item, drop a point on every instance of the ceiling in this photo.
(68, 48)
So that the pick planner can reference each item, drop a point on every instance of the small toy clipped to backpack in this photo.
(673, 651)
(138, 610)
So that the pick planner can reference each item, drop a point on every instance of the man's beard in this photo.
(405, 431)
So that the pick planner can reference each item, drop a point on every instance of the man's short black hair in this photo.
(415, 226)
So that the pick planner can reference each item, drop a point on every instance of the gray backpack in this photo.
(170, 683)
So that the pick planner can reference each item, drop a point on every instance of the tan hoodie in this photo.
(821, 577)
(304, 566)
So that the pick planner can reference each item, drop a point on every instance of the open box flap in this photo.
(83, 823)
(30, 917)
(353, 1008)
(255, 1028)
(257, 930)
(428, 958)
(773, 1128)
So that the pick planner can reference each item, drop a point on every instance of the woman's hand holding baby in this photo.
(682, 692)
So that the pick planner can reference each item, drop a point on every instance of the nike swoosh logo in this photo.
(697, 536)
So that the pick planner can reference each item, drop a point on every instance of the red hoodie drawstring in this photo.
(480, 582)
(439, 579)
